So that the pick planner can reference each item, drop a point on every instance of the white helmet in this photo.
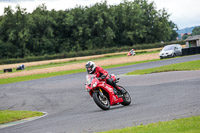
(90, 66)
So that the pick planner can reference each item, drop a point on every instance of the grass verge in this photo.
(39, 76)
(185, 66)
(183, 125)
(11, 115)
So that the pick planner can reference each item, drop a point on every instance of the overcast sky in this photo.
(184, 13)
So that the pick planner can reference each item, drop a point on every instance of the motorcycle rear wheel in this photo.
(102, 102)
(126, 97)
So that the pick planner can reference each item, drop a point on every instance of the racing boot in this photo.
(119, 89)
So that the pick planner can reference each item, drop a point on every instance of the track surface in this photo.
(155, 97)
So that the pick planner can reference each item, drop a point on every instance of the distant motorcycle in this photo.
(105, 95)
(131, 52)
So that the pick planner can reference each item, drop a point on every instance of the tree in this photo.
(83, 28)
(185, 36)
(196, 31)
(174, 28)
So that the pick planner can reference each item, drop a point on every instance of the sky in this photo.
(184, 13)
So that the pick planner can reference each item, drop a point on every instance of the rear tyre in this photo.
(101, 101)
(126, 97)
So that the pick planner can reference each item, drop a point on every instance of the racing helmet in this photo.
(90, 66)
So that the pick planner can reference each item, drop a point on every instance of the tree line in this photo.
(45, 32)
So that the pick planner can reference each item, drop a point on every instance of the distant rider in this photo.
(103, 74)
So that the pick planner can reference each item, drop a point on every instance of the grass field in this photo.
(76, 61)
(45, 75)
(11, 115)
(185, 66)
(183, 125)
(33, 68)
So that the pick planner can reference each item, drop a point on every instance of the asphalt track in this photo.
(155, 97)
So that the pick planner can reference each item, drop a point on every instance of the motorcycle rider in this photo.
(103, 74)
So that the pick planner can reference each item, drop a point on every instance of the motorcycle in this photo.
(131, 52)
(105, 95)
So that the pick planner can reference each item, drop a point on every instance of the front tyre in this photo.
(101, 101)
(126, 97)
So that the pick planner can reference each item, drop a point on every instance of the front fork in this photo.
(101, 92)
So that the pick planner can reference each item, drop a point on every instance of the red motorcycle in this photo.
(131, 52)
(105, 95)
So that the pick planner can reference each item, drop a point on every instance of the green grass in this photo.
(39, 76)
(183, 125)
(11, 115)
(74, 61)
(185, 66)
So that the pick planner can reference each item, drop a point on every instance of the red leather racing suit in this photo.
(99, 72)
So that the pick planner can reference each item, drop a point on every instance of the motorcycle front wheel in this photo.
(101, 101)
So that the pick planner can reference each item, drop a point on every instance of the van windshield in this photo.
(166, 48)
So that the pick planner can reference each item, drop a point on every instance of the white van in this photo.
(171, 51)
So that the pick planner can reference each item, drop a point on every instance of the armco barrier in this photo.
(190, 51)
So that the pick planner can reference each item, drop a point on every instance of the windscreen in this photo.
(89, 78)
(166, 48)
